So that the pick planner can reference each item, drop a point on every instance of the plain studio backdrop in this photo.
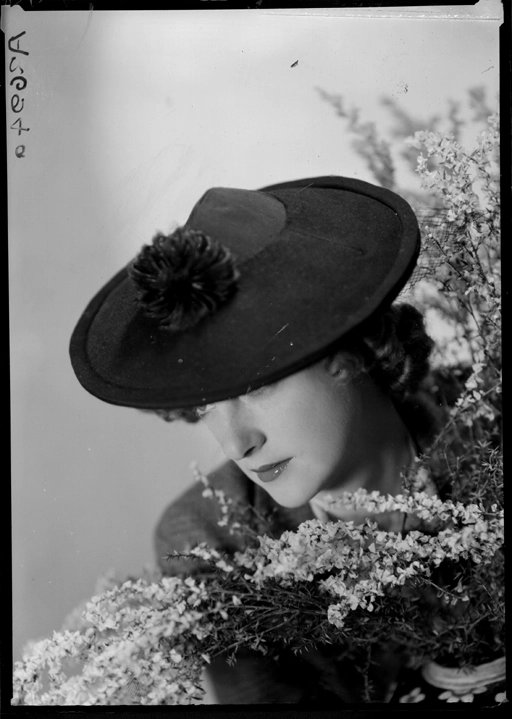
(131, 117)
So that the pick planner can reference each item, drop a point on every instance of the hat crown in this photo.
(244, 220)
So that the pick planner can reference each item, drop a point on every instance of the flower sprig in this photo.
(425, 506)
(239, 518)
(363, 560)
(122, 657)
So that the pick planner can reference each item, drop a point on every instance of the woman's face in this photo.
(296, 437)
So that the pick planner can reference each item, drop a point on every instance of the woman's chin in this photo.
(289, 496)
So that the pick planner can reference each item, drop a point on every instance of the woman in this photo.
(269, 317)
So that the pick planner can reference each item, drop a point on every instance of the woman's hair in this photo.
(393, 349)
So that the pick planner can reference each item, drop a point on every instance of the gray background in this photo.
(132, 117)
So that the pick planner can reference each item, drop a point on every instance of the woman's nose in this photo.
(235, 427)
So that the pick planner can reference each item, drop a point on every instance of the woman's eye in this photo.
(203, 410)
(259, 390)
(254, 392)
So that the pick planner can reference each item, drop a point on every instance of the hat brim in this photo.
(296, 300)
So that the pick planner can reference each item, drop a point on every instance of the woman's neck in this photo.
(384, 447)
(389, 451)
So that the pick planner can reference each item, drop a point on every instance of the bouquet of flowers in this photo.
(147, 641)
(436, 592)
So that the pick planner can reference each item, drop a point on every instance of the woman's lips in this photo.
(268, 472)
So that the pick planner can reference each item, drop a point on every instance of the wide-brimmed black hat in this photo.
(255, 286)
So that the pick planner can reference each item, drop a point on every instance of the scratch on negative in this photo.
(277, 333)
(302, 188)
(297, 193)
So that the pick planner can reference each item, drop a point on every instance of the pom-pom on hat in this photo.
(256, 285)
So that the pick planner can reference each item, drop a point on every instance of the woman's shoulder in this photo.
(194, 518)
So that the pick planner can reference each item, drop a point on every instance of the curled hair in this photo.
(395, 350)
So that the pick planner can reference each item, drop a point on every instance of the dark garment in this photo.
(193, 518)
(313, 678)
